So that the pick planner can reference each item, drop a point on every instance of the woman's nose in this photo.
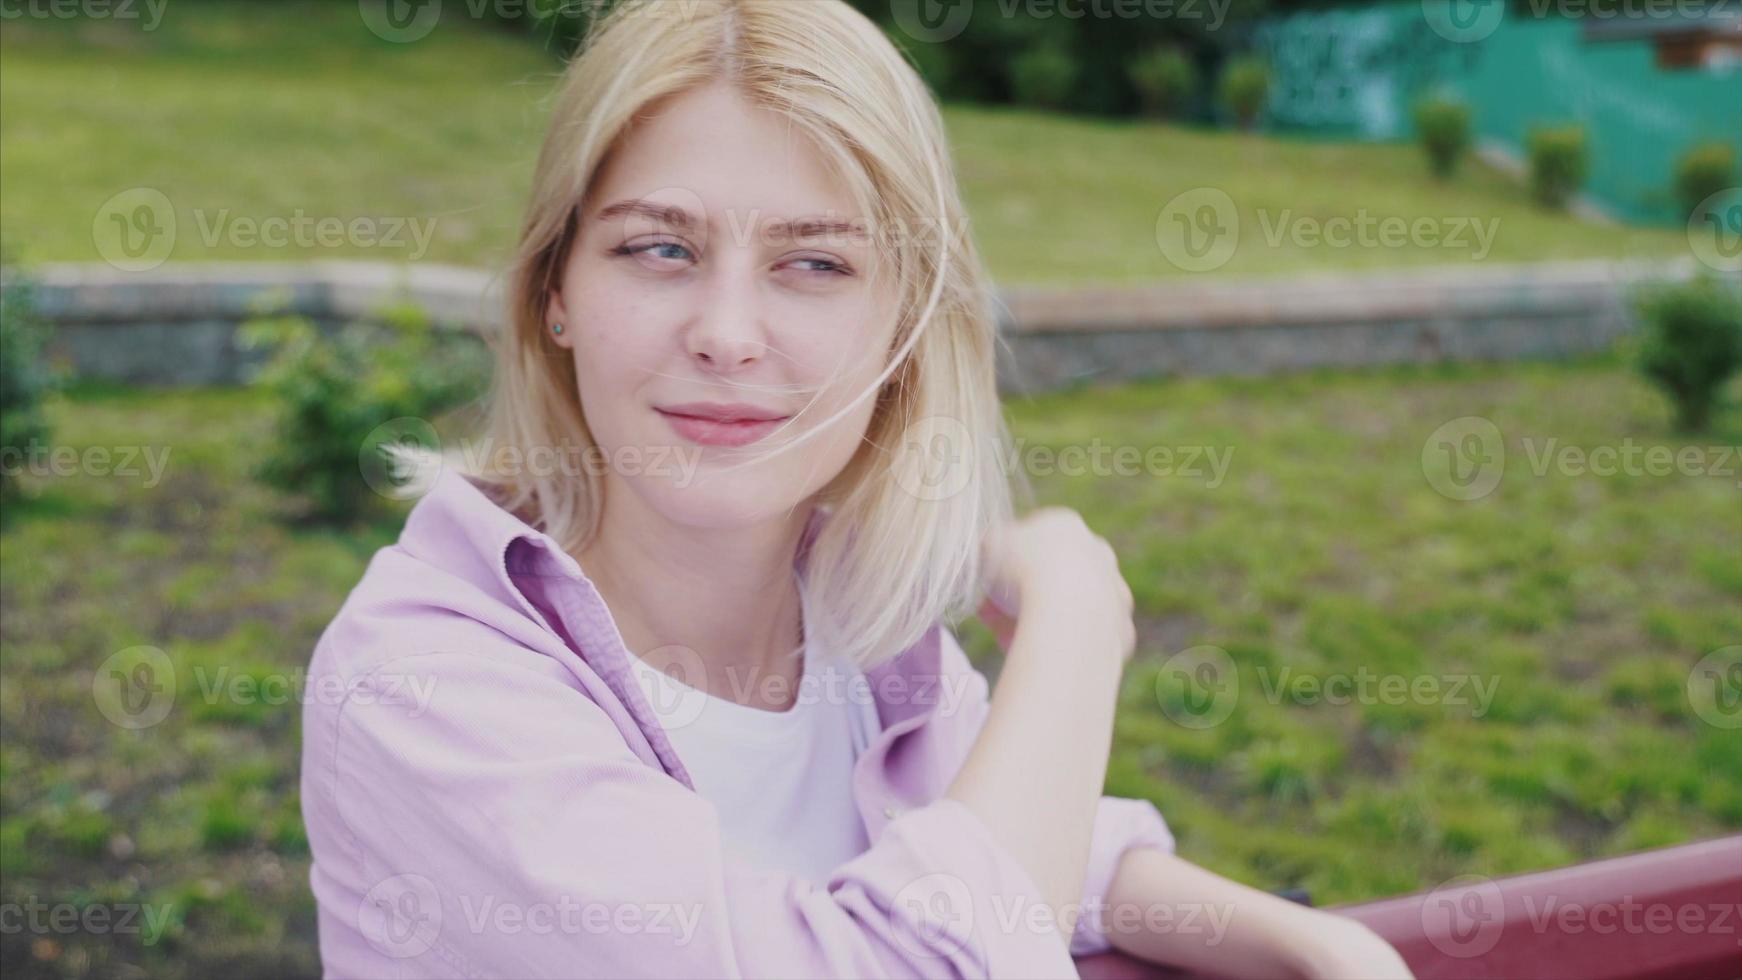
(728, 333)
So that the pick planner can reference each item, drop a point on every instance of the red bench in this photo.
(1670, 913)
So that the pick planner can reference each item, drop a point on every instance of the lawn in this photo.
(245, 113)
(1316, 546)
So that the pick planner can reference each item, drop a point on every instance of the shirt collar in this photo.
(458, 527)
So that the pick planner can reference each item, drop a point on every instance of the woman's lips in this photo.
(714, 432)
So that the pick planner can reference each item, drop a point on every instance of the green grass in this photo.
(254, 111)
(1322, 550)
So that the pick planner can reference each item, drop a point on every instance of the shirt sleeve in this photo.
(498, 824)
(1120, 824)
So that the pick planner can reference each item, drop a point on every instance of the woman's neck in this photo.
(729, 597)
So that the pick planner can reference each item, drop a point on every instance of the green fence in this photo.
(1357, 72)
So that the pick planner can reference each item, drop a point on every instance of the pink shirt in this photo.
(487, 793)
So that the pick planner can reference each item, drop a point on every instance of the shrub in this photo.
(1691, 344)
(1165, 81)
(1557, 163)
(1702, 171)
(1444, 128)
(334, 392)
(24, 379)
(1042, 76)
(1245, 85)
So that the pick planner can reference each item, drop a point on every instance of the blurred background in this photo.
(1394, 346)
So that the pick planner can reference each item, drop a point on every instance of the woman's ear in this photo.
(556, 319)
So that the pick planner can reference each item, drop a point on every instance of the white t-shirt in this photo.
(782, 781)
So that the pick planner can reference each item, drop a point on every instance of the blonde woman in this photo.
(662, 686)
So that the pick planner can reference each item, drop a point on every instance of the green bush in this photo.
(1703, 171)
(1042, 76)
(1245, 85)
(1557, 163)
(333, 392)
(1691, 344)
(1165, 81)
(24, 379)
(1444, 128)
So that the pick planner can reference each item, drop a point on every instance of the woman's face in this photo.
(719, 271)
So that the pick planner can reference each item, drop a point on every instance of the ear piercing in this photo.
(556, 328)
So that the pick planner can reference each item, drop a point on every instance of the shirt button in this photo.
(891, 812)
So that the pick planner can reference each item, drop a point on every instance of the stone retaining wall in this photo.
(176, 325)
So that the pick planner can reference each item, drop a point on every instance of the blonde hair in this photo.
(894, 557)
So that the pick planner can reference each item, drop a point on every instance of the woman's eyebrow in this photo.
(817, 226)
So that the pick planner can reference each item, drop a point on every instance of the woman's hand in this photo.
(1050, 560)
(1341, 948)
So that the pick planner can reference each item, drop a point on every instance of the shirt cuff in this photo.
(956, 895)
(1120, 825)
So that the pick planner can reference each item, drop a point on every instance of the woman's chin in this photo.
(728, 501)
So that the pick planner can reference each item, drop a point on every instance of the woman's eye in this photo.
(672, 251)
(822, 265)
